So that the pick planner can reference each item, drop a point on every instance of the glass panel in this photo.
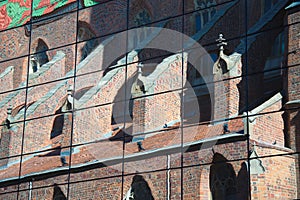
(13, 74)
(101, 54)
(51, 180)
(108, 188)
(48, 133)
(50, 34)
(47, 99)
(155, 42)
(279, 185)
(9, 195)
(101, 170)
(147, 185)
(54, 192)
(11, 143)
(211, 18)
(144, 163)
(14, 44)
(221, 179)
(10, 171)
(88, 124)
(12, 105)
(50, 65)
(95, 89)
(232, 145)
(96, 21)
(47, 10)
(145, 12)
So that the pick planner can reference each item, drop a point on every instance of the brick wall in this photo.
(98, 17)
(98, 118)
(5, 146)
(106, 182)
(293, 72)
(292, 86)
(6, 78)
(276, 181)
(163, 86)
(56, 33)
(37, 132)
(53, 72)
(226, 91)
(269, 127)
(12, 141)
(14, 43)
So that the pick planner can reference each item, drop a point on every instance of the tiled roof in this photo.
(107, 149)
(17, 12)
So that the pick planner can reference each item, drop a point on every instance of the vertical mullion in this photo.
(73, 108)
(125, 99)
(26, 93)
(182, 100)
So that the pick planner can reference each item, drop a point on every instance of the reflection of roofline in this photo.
(52, 16)
(274, 99)
(190, 146)
(292, 104)
(293, 5)
(58, 11)
(255, 29)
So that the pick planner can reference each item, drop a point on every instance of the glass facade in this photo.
(150, 99)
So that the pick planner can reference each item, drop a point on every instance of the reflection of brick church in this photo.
(130, 118)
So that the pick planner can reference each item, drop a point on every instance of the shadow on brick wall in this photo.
(224, 184)
(58, 193)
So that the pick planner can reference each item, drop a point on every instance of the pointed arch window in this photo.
(222, 178)
(87, 35)
(40, 57)
(206, 12)
(142, 17)
(273, 63)
(42, 49)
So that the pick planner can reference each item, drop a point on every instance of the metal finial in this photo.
(221, 41)
(9, 117)
(9, 110)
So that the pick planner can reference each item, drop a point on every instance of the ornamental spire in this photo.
(221, 42)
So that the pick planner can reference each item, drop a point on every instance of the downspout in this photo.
(168, 178)
(30, 190)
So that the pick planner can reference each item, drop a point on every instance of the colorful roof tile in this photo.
(17, 12)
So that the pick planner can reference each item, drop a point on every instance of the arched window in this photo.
(58, 124)
(142, 17)
(139, 189)
(206, 12)
(222, 178)
(87, 35)
(40, 57)
(58, 193)
(42, 49)
(273, 63)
